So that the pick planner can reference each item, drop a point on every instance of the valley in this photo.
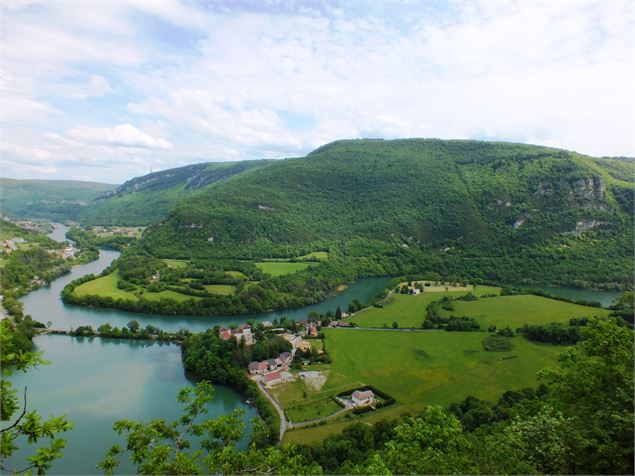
(382, 286)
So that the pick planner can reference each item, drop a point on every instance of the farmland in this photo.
(515, 311)
(278, 268)
(423, 368)
(408, 310)
(105, 286)
(221, 289)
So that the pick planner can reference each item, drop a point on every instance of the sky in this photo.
(109, 90)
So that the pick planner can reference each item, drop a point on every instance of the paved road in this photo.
(283, 418)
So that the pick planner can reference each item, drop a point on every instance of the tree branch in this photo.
(19, 418)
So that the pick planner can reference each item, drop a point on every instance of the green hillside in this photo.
(481, 210)
(148, 199)
(50, 199)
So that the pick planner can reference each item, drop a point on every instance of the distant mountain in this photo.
(49, 199)
(147, 199)
(474, 207)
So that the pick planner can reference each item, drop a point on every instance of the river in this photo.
(98, 381)
(605, 298)
(45, 303)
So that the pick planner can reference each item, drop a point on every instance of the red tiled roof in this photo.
(272, 376)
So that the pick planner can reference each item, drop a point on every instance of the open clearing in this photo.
(236, 274)
(105, 286)
(408, 310)
(301, 404)
(175, 263)
(220, 289)
(516, 311)
(168, 294)
(315, 256)
(278, 268)
(422, 368)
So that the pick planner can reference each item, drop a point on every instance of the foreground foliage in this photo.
(23, 423)
(580, 421)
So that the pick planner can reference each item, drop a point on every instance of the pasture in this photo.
(408, 310)
(278, 268)
(220, 289)
(515, 311)
(167, 294)
(423, 368)
(175, 263)
(105, 286)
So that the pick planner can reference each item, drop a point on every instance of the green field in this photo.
(168, 294)
(315, 256)
(278, 268)
(175, 263)
(301, 404)
(104, 286)
(515, 311)
(423, 368)
(408, 310)
(236, 274)
(221, 289)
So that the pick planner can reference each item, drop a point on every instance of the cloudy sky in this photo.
(109, 90)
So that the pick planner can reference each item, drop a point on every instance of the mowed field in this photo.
(104, 286)
(175, 263)
(408, 310)
(423, 368)
(168, 294)
(107, 286)
(220, 289)
(516, 311)
(278, 268)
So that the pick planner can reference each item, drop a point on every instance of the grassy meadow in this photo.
(104, 286)
(175, 263)
(220, 289)
(408, 310)
(423, 368)
(107, 286)
(278, 268)
(168, 294)
(515, 311)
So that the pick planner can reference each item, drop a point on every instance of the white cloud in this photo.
(282, 79)
(122, 135)
(96, 86)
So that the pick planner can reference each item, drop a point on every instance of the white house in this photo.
(363, 397)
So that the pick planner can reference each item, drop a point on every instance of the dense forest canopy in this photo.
(484, 210)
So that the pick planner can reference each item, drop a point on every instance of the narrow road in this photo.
(318, 420)
(283, 418)
(389, 329)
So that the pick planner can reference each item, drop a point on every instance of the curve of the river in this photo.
(46, 305)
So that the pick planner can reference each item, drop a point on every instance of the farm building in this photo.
(241, 333)
(273, 378)
(365, 397)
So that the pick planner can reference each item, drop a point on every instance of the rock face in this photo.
(190, 177)
(584, 225)
(589, 189)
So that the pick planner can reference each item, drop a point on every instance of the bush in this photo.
(497, 343)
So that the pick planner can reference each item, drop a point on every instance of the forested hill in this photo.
(478, 205)
(50, 199)
(147, 199)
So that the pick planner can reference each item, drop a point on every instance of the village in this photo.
(271, 372)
